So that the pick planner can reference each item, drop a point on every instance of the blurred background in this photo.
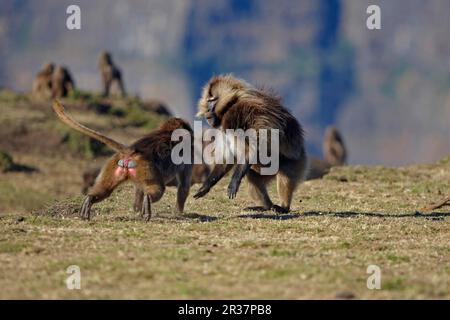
(387, 90)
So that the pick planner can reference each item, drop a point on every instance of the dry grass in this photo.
(355, 217)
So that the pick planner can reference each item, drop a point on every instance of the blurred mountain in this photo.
(388, 90)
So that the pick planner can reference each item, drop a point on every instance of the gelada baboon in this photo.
(200, 172)
(62, 82)
(42, 83)
(110, 74)
(334, 150)
(335, 154)
(147, 163)
(231, 103)
(157, 107)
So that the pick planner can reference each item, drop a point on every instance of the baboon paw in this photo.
(278, 209)
(232, 190)
(201, 193)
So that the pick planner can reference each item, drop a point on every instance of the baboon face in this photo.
(219, 94)
(48, 68)
(105, 58)
(332, 133)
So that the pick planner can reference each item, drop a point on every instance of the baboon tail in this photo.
(60, 111)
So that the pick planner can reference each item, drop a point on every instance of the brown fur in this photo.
(335, 154)
(42, 83)
(317, 168)
(153, 166)
(334, 150)
(231, 103)
(62, 82)
(199, 174)
(110, 74)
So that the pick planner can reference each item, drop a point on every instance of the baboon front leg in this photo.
(240, 171)
(219, 171)
(184, 184)
(152, 193)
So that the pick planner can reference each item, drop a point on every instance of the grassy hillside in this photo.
(354, 217)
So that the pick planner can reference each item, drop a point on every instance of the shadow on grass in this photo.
(350, 214)
(344, 214)
(272, 216)
(23, 168)
(196, 216)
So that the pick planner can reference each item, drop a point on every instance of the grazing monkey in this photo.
(62, 82)
(231, 103)
(42, 83)
(147, 163)
(334, 150)
(317, 168)
(157, 107)
(335, 154)
(110, 74)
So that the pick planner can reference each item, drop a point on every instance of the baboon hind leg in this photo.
(258, 191)
(138, 199)
(102, 189)
(123, 93)
(291, 173)
(285, 187)
(184, 184)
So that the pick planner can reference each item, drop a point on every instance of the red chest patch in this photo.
(126, 166)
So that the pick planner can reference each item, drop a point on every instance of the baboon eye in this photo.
(212, 98)
(120, 163)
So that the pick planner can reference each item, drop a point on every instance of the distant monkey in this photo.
(42, 83)
(62, 82)
(147, 163)
(231, 103)
(157, 107)
(317, 168)
(334, 151)
(110, 74)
